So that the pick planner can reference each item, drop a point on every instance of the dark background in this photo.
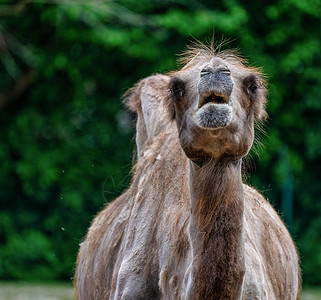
(66, 141)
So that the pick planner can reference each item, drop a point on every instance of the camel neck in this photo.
(216, 230)
(214, 188)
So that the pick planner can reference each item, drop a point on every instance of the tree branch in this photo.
(13, 93)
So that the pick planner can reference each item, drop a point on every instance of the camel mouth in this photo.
(213, 98)
(214, 110)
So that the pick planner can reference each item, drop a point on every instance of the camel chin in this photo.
(214, 116)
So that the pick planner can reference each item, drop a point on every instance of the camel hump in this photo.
(148, 99)
(154, 86)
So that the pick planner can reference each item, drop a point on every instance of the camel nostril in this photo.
(224, 71)
(209, 71)
(206, 71)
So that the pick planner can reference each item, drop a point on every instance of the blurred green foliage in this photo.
(66, 141)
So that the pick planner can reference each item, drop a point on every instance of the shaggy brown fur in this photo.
(187, 227)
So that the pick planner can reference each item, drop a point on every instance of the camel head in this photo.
(215, 100)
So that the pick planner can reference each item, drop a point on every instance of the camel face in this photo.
(216, 103)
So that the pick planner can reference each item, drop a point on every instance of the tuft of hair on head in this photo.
(197, 51)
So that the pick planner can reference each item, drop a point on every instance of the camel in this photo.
(188, 227)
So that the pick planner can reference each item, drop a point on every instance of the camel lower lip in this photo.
(213, 104)
(213, 115)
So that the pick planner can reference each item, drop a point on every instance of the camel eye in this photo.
(177, 88)
(253, 87)
(251, 84)
(176, 92)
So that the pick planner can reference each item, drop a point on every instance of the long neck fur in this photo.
(216, 230)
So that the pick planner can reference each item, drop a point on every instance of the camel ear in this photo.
(254, 88)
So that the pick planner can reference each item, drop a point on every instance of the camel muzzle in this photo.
(215, 86)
